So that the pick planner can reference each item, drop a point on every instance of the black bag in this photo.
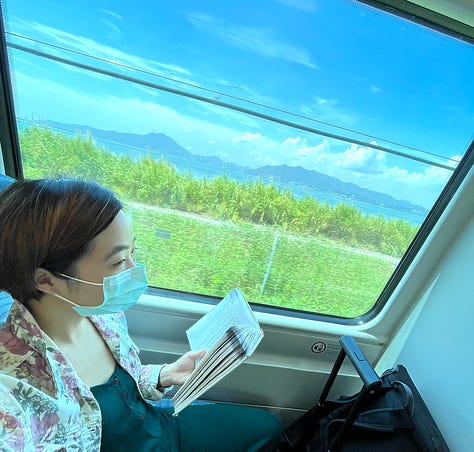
(388, 414)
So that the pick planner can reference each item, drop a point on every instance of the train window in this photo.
(292, 148)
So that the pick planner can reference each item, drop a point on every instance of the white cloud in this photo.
(252, 39)
(362, 159)
(42, 98)
(246, 92)
(326, 102)
(49, 100)
(313, 152)
(247, 138)
(292, 141)
(91, 47)
(20, 61)
(366, 167)
(114, 28)
(111, 13)
(148, 91)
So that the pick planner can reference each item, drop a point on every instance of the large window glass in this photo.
(291, 148)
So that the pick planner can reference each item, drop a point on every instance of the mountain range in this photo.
(162, 146)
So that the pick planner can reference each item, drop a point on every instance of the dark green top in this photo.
(129, 423)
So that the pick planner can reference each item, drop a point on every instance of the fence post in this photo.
(269, 265)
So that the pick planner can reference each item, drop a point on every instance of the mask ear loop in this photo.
(81, 280)
(66, 300)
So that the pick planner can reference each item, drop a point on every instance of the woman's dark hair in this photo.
(49, 223)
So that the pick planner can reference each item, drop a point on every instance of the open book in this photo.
(229, 333)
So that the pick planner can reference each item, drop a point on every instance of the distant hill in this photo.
(330, 184)
(160, 145)
(156, 144)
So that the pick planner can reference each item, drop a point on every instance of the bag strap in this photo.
(393, 410)
(396, 407)
(371, 380)
(390, 377)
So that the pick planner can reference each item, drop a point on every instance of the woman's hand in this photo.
(176, 373)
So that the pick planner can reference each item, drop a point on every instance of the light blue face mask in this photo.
(121, 291)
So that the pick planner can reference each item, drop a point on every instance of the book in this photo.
(229, 333)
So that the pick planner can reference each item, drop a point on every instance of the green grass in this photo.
(211, 257)
(158, 183)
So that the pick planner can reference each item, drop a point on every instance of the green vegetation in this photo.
(306, 273)
(223, 233)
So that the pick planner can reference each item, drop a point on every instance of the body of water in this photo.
(201, 170)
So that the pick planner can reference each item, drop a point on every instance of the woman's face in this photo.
(112, 252)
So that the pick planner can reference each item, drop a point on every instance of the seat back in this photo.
(4, 181)
(5, 299)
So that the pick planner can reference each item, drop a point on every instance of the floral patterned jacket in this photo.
(44, 405)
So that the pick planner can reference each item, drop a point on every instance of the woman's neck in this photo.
(58, 319)
(78, 339)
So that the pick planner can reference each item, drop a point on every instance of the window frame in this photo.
(436, 16)
(9, 141)
(12, 164)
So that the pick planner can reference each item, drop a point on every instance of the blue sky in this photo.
(332, 61)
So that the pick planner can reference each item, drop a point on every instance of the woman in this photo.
(70, 376)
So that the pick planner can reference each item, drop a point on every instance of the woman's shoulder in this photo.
(111, 325)
(110, 319)
(13, 348)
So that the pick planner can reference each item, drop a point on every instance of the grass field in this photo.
(271, 267)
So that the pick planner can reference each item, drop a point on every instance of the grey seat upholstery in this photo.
(5, 299)
(4, 181)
